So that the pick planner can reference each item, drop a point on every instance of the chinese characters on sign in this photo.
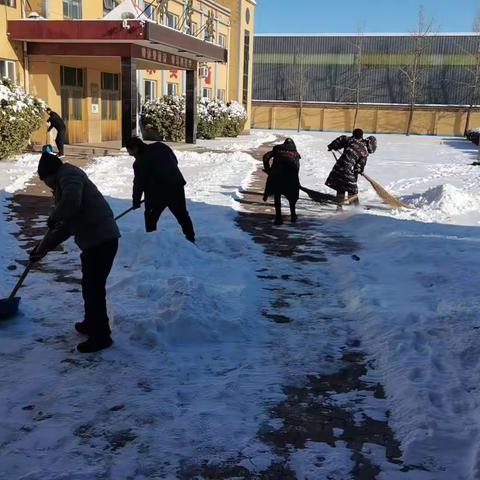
(167, 58)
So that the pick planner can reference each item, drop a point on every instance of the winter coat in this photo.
(81, 209)
(56, 122)
(157, 175)
(344, 175)
(282, 173)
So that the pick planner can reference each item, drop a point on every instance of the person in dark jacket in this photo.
(282, 177)
(159, 179)
(344, 175)
(82, 211)
(56, 122)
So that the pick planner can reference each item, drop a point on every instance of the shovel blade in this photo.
(9, 307)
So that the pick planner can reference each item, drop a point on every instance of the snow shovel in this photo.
(381, 192)
(9, 306)
(118, 217)
(321, 197)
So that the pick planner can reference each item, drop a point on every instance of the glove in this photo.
(330, 148)
(136, 205)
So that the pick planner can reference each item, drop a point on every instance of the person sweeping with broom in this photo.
(344, 175)
(283, 177)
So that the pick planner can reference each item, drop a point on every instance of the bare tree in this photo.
(474, 74)
(414, 70)
(300, 81)
(356, 88)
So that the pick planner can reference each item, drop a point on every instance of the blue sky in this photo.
(317, 16)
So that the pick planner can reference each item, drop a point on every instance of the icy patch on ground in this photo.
(16, 172)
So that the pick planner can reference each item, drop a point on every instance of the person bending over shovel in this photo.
(344, 175)
(282, 177)
(158, 177)
(82, 211)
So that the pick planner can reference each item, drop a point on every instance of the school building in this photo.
(96, 61)
(325, 75)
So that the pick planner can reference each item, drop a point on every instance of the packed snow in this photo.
(196, 368)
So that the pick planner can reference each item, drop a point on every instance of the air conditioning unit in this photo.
(203, 71)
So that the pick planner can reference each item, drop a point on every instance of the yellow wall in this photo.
(43, 79)
(441, 121)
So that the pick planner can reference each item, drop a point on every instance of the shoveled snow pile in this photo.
(446, 198)
(191, 294)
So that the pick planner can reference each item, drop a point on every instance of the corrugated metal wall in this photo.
(330, 63)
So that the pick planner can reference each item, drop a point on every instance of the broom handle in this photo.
(21, 280)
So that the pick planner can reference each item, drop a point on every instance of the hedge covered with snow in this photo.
(20, 115)
(164, 118)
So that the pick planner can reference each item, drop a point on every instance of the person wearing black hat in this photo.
(159, 179)
(82, 211)
(58, 124)
(283, 177)
(344, 175)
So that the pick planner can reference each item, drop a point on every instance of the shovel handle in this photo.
(125, 212)
(21, 280)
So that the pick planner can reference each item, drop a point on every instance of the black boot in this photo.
(81, 327)
(94, 344)
(278, 221)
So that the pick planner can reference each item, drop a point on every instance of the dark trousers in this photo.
(60, 141)
(96, 265)
(175, 201)
(278, 207)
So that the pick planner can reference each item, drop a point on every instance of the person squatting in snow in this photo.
(82, 211)
(282, 177)
(344, 175)
(158, 177)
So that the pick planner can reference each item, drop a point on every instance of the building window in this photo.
(9, 3)
(7, 69)
(172, 89)
(207, 93)
(108, 6)
(172, 20)
(72, 9)
(149, 10)
(221, 94)
(222, 40)
(150, 89)
(71, 77)
(110, 96)
(246, 66)
(192, 29)
(71, 92)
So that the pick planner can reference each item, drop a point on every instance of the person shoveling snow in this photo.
(158, 177)
(82, 211)
(344, 175)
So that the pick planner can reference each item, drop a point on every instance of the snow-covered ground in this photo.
(196, 368)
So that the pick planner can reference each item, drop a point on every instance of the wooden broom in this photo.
(381, 192)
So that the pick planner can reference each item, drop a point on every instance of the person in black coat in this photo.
(56, 122)
(159, 179)
(282, 177)
(344, 175)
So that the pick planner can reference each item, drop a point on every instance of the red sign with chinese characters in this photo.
(208, 78)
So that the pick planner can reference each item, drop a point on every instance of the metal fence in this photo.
(326, 68)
